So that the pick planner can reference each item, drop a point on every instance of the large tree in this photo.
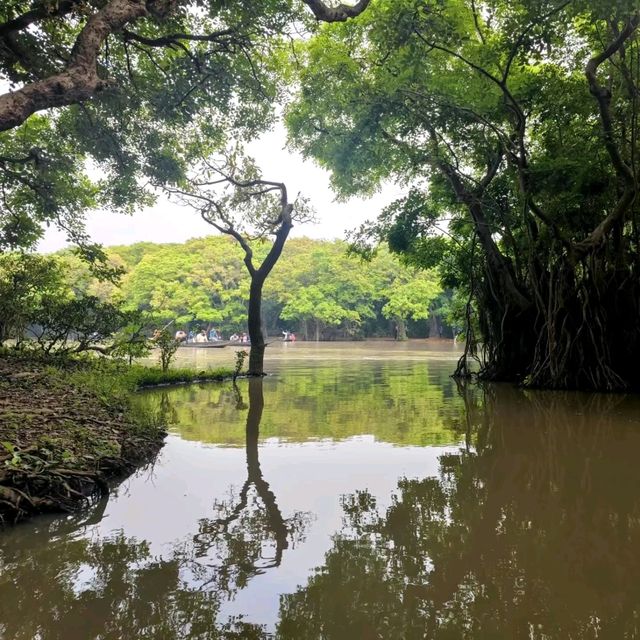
(517, 122)
(102, 96)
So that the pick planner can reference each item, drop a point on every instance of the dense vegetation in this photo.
(513, 127)
(106, 99)
(316, 289)
(517, 123)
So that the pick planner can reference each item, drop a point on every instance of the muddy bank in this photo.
(66, 432)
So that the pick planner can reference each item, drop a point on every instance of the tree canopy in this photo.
(105, 98)
(316, 288)
(513, 126)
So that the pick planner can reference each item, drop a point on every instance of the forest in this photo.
(317, 290)
(511, 126)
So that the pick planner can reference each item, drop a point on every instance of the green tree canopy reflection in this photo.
(534, 534)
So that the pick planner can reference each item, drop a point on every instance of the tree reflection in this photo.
(532, 534)
(249, 533)
(74, 585)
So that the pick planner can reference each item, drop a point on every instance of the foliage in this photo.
(127, 95)
(168, 345)
(25, 281)
(513, 128)
(240, 357)
(131, 340)
(74, 325)
(315, 288)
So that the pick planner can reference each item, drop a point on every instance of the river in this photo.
(355, 493)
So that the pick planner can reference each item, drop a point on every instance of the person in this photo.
(292, 337)
(181, 336)
(234, 337)
(190, 337)
(287, 336)
(201, 337)
(213, 335)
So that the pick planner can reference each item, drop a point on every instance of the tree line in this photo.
(316, 289)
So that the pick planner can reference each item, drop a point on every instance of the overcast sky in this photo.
(168, 222)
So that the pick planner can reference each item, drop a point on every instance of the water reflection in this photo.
(404, 405)
(529, 527)
(116, 588)
(249, 532)
(535, 534)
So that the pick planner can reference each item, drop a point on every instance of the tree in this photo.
(323, 287)
(121, 85)
(246, 209)
(167, 345)
(517, 124)
(410, 299)
(24, 281)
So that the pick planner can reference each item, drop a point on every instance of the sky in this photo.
(169, 222)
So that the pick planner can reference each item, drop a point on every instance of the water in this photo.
(356, 493)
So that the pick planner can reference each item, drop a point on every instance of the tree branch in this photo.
(39, 12)
(79, 81)
(623, 170)
(340, 13)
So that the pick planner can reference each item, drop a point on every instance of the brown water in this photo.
(357, 493)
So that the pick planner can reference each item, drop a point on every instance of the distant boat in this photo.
(218, 344)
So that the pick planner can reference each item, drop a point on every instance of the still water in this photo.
(356, 493)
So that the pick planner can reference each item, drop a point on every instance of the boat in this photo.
(218, 344)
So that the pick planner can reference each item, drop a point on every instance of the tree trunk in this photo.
(401, 329)
(435, 330)
(317, 323)
(254, 322)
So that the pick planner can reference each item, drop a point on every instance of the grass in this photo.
(154, 376)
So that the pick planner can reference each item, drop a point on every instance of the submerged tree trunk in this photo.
(317, 326)
(254, 323)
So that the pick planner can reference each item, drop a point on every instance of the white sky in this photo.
(168, 222)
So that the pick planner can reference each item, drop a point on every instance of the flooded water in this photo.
(357, 493)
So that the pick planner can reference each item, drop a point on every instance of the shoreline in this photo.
(69, 431)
